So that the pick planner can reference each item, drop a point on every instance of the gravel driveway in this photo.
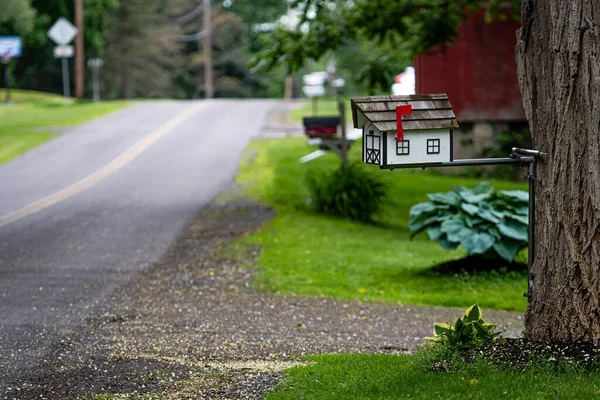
(192, 326)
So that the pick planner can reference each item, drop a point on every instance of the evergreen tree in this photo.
(140, 53)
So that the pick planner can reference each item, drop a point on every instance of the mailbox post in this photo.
(95, 64)
(10, 47)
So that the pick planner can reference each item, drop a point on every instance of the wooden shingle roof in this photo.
(429, 111)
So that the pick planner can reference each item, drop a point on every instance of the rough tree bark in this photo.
(558, 59)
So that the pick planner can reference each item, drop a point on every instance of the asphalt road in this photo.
(87, 211)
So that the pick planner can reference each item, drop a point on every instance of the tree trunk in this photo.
(557, 54)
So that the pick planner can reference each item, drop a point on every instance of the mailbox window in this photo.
(433, 146)
(403, 148)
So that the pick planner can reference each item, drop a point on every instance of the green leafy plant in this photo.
(493, 224)
(468, 332)
(346, 192)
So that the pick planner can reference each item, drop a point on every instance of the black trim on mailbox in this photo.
(364, 145)
(385, 139)
(433, 146)
(403, 148)
(451, 144)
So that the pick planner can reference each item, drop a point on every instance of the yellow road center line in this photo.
(109, 169)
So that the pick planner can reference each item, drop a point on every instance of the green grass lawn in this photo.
(23, 124)
(314, 255)
(309, 254)
(398, 377)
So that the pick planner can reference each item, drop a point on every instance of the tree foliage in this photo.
(19, 13)
(230, 51)
(399, 28)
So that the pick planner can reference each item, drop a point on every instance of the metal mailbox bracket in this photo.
(520, 157)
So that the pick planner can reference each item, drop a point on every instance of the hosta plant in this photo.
(484, 221)
(468, 332)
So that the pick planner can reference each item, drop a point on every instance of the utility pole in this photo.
(207, 51)
(289, 79)
(79, 54)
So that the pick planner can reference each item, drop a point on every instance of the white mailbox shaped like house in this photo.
(397, 131)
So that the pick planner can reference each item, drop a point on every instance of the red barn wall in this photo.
(478, 72)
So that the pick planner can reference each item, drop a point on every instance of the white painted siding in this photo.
(418, 147)
(361, 120)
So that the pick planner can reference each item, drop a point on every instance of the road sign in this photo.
(95, 63)
(338, 83)
(313, 91)
(315, 79)
(10, 46)
(62, 32)
(64, 51)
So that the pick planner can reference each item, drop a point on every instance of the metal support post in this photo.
(523, 161)
(522, 157)
(344, 149)
(96, 84)
(95, 64)
(517, 153)
(531, 222)
(7, 79)
(66, 81)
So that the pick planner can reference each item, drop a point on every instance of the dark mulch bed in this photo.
(519, 354)
(475, 264)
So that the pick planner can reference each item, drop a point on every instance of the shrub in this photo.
(485, 222)
(468, 332)
(346, 192)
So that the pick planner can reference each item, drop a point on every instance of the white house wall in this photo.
(418, 148)
(361, 120)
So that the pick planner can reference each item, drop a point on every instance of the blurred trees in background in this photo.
(231, 49)
(140, 41)
(374, 38)
(255, 44)
(139, 50)
(37, 69)
(19, 14)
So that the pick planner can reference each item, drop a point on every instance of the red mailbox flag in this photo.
(400, 111)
